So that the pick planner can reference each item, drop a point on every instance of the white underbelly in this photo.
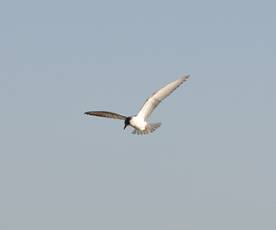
(138, 123)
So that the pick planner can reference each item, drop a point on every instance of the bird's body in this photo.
(139, 122)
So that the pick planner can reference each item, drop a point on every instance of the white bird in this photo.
(139, 122)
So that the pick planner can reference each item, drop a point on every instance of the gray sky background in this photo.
(210, 166)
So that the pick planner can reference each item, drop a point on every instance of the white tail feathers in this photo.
(149, 129)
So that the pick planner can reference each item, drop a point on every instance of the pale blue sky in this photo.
(210, 166)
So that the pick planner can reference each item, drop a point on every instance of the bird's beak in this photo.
(125, 126)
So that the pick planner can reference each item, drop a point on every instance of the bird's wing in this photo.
(153, 101)
(106, 114)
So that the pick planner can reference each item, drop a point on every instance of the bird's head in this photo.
(127, 122)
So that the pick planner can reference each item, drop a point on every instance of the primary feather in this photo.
(106, 114)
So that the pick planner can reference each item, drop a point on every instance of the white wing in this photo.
(153, 101)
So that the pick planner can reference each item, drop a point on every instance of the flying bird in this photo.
(139, 122)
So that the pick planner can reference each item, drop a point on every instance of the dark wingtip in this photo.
(186, 76)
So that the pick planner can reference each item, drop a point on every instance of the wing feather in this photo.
(106, 114)
(154, 100)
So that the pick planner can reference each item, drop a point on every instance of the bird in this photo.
(140, 121)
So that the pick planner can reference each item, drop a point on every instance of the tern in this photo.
(139, 122)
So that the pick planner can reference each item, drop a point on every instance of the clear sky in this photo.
(210, 166)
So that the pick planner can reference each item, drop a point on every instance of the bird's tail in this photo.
(149, 129)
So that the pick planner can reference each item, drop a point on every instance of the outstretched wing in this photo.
(106, 114)
(153, 101)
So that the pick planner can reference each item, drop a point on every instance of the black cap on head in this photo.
(127, 122)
